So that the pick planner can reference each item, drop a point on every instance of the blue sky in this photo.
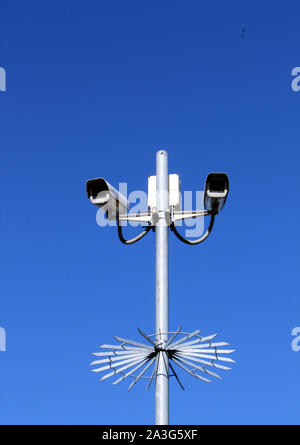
(95, 88)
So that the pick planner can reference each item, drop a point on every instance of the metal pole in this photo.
(162, 288)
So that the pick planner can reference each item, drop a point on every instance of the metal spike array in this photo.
(191, 356)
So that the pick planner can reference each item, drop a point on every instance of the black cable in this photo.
(133, 240)
(199, 240)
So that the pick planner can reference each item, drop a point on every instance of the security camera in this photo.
(106, 197)
(216, 191)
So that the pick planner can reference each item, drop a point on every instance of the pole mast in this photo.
(162, 288)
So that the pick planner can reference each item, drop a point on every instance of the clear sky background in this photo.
(95, 88)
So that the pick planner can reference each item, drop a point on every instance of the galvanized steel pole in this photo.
(162, 288)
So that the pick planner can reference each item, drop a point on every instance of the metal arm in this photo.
(133, 240)
(199, 240)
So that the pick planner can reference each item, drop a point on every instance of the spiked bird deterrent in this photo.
(134, 359)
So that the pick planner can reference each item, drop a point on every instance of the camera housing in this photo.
(102, 194)
(216, 191)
